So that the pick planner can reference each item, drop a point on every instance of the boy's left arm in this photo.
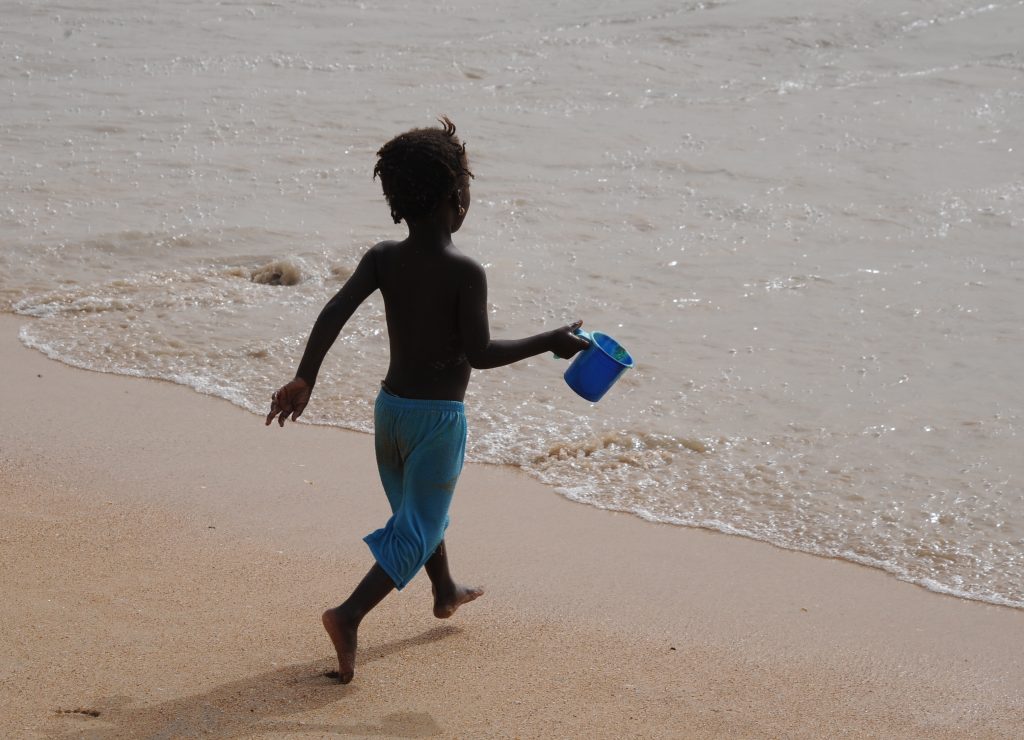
(292, 397)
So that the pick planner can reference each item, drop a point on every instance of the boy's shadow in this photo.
(258, 704)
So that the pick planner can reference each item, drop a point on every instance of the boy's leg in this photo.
(342, 622)
(448, 595)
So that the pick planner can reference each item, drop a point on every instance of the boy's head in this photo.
(420, 169)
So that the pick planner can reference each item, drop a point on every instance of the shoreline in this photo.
(894, 572)
(166, 558)
(935, 588)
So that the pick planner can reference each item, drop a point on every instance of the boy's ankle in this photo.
(444, 592)
(349, 614)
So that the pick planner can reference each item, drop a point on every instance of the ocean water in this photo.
(803, 220)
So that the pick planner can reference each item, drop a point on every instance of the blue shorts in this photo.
(420, 446)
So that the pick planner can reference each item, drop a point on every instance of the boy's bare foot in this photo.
(445, 606)
(343, 633)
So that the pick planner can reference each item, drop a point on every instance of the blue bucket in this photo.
(596, 368)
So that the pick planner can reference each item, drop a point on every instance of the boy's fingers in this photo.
(576, 324)
(282, 405)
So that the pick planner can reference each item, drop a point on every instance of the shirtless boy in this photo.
(435, 300)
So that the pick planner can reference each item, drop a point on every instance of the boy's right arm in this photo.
(482, 351)
(292, 397)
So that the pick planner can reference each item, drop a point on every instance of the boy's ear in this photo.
(457, 202)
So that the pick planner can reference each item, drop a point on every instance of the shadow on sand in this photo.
(258, 704)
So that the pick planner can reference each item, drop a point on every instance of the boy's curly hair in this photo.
(420, 168)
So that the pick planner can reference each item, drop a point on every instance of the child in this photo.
(435, 301)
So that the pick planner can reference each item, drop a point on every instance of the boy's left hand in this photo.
(566, 342)
(290, 398)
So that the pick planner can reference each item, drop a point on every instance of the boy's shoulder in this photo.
(463, 260)
(465, 270)
(388, 245)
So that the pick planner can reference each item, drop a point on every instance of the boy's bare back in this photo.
(428, 292)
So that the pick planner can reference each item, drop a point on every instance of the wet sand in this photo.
(164, 560)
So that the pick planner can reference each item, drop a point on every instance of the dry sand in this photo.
(164, 559)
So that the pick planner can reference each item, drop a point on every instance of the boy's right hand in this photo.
(565, 341)
(290, 398)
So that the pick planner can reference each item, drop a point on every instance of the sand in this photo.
(164, 559)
